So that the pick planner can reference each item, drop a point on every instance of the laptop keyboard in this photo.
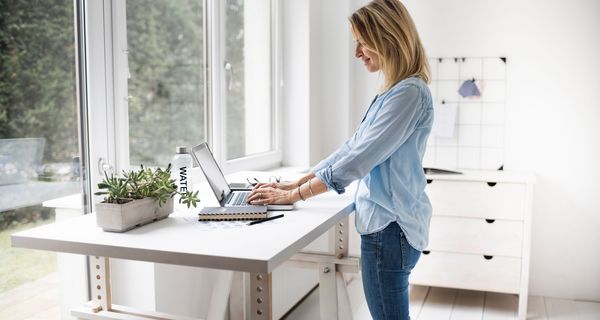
(240, 198)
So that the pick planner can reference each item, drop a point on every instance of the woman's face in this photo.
(369, 57)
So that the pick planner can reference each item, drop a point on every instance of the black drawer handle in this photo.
(491, 184)
(426, 252)
(490, 220)
(488, 257)
(429, 181)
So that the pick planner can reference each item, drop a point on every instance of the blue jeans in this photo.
(386, 262)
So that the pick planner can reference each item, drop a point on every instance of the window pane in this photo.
(248, 77)
(166, 84)
(39, 145)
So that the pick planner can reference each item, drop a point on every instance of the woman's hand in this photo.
(284, 185)
(264, 195)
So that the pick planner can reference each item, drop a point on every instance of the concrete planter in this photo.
(122, 217)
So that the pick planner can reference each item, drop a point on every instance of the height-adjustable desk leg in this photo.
(341, 238)
(101, 296)
(259, 306)
(333, 294)
(328, 291)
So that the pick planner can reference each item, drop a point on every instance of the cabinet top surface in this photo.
(487, 176)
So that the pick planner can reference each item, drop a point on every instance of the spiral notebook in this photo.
(232, 213)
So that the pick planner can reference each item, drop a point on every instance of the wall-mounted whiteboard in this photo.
(479, 133)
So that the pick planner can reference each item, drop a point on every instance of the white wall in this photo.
(329, 78)
(553, 117)
(316, 79)
(296, 80)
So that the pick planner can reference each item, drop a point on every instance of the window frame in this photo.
(100, 91)
(217, 136)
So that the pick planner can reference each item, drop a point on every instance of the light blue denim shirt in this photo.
(385, 155)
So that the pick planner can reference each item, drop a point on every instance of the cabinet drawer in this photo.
(477, 199)
(476, 236)
(466, 271)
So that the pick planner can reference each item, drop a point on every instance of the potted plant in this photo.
(137, 198)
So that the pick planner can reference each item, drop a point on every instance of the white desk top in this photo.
(181, 240)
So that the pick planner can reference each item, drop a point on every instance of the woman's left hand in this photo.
(270, 195)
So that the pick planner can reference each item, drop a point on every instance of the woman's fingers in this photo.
(267, 195)
(255, 195)
(259, 201)
(259, 195)
(259, 198)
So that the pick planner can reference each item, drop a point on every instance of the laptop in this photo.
(226, 195)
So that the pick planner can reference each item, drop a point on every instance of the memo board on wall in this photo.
(479, 132)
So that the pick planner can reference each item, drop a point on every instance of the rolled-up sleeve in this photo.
(335, 156)
(394, 122)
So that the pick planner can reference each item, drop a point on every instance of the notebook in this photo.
(232, 213)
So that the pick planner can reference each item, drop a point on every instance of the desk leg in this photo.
(328, 291)
(260, 297)
(343, 298)
(341, 251)
(100, 284)
(334, 301)
(341, 238)
(333, 294)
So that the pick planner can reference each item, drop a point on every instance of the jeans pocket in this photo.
(410, 255)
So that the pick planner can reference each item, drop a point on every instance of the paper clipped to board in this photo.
(444, 120)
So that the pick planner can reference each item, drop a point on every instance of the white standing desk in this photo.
(256, 249)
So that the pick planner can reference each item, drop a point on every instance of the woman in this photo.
(384, 155)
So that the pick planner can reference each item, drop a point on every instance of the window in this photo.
(166, 99)
(248, 78)
(196, 71)
(39, 145)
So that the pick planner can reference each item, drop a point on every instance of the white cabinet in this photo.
(480, 233)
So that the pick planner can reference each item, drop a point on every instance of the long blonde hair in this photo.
(385, 26)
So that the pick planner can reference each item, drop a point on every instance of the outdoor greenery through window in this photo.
(167, 78)
(39, 144)
(167, 81)
(234, 77)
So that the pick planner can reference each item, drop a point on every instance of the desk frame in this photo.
(258, 286)
(256, 268)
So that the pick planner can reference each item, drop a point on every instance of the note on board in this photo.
(444, 120)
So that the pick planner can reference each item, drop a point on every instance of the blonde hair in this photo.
(385, 26)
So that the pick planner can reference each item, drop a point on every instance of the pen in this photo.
(266, 219)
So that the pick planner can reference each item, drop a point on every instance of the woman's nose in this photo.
(358, 52)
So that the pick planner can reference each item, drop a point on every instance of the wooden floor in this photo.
(39, 300)
(429, 303)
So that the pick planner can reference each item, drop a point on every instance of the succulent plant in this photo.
(143, 183)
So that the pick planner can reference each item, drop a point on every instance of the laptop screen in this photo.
(211, 170)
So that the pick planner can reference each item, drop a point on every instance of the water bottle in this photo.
(182, 164)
